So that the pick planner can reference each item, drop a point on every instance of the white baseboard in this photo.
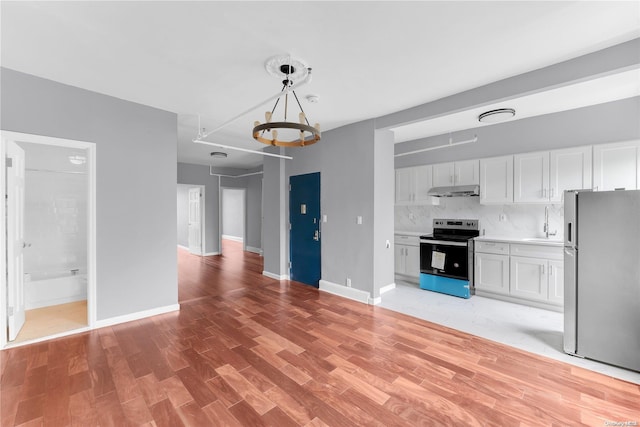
(234, 238)
(183, 247)
(101, 324)
(211, 253)
(374, 301)
(136, 316)
(55, 301)
(387, 288)
(254, 250)
(343, 291)
(276, 276)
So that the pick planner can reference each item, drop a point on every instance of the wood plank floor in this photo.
(246, 350)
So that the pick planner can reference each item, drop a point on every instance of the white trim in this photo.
(91, 221)
(374, 301)
(211, 253)
(137, 315)
(254, 250)
(183, 247)
(387, 288)
(343, 291)
(234, 238)
(3, 256)
(47, 338)
(276, 276)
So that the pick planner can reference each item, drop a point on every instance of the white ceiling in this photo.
(368, 58)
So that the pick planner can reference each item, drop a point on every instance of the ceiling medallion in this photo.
(292, 134)
(496, 116)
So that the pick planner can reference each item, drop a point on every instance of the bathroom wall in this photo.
(56, 195)
(520, 220)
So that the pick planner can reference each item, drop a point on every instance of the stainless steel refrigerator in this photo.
(602, 276)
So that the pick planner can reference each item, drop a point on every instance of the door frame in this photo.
(244, 215)
(202, 218)
(91, 225)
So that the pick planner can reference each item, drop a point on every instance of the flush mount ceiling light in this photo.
(496, 116)
(292, 134)
(77, 159)
(219, 154)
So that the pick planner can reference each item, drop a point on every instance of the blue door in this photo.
(304, 216)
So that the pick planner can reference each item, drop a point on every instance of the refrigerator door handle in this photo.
(569, 232)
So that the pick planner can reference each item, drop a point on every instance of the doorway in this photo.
(304, 217)
(48, 237)
(233, 217)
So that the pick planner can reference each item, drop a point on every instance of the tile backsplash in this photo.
(496, 220)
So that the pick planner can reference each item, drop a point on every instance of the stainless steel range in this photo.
(446, 257)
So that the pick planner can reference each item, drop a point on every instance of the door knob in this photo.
(316, 236)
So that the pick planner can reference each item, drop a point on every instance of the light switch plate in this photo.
(359, 220)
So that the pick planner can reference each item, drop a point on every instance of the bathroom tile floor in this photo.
(55, 319)
(532, 329)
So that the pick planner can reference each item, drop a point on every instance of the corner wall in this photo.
(135, 183)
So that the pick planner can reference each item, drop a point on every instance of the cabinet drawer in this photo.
(492, 247)
(547, 252)
(403, 239)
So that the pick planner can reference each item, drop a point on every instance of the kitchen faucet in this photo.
(546, 224)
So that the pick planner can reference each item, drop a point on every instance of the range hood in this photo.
(455, 191)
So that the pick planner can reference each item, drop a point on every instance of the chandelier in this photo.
(286, 133)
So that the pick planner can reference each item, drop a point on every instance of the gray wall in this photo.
(136, 178)
(233, 212)
(346, 159)
(183, 214)
(199, 175)
(274, 244)
(598, 124)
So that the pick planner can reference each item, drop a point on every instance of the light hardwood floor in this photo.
(246, 350)
(42, 322)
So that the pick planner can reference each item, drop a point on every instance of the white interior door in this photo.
(195, 221)
(15, 239)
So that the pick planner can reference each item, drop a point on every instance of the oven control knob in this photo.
(456, 265)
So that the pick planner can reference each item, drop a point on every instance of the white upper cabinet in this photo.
(496, 180)
(456, 173)
(569, 169)
(443, 174)
(467, 172)
(542, 177)
(404, 186)
(531, 177)
(616, 166)
(413, 184)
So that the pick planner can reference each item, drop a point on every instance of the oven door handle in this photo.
(443, 242)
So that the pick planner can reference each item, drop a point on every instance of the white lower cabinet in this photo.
(492, 273)
(407, 256)
(525, 273)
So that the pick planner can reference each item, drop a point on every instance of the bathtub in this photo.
(42, 289)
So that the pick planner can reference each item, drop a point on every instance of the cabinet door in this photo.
(467, 172)
(569, 169)
(443, 174)
(492, 273)
(616, 166)
(556, 282)
(404, 186)
(412, 261)
(423, 183)
(531, 177)
(399, 255)
(496, 180)
(529, 278)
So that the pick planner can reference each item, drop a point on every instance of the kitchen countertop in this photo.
(555, 241)
(411, 233)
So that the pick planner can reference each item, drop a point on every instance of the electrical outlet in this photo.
(359, 220)
(324, 218)
(348, 282)
(502, 217)
(411, 216)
